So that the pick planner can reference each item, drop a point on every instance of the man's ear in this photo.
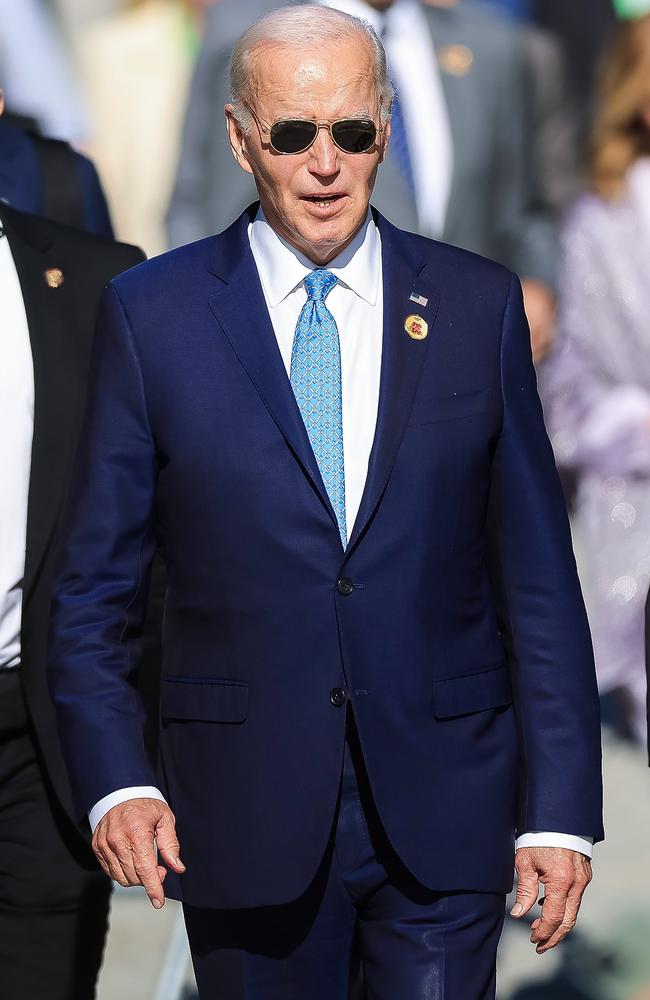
(385, 140)
(2, 100)
(237, 139)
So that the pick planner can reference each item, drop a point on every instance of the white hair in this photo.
(295, 27)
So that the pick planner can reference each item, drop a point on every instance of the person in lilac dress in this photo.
(596, 385)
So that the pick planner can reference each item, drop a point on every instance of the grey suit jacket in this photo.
(496, 207)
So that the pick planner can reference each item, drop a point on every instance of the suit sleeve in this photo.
(100, 590)
(97, 217)
(541, 612)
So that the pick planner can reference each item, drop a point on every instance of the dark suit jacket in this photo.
(453, 620)
(80, 203)
(61, 323)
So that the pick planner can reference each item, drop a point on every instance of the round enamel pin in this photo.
(416, 327)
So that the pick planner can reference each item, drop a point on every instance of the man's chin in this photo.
(327, 239)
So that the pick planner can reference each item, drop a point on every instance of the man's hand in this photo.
(539, 303)
(565, 875)
(124, 844)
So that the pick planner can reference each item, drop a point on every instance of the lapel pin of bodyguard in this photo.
(416, 327)
(456, 60)
(53, 277)
(419, 299)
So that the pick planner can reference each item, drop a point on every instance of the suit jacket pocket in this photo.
(204, 699)
(431, 410)
(471, 693)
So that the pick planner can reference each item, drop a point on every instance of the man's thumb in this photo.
(527, 890)
(168, 847)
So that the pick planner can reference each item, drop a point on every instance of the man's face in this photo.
(316, 200)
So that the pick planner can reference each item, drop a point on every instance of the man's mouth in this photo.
(323, 200)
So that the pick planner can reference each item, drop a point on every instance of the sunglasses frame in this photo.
(319, 125)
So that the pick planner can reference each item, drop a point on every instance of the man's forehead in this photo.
(313, 90)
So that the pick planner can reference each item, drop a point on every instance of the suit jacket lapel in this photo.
(240, 308)
(58, 383)
(401, 364)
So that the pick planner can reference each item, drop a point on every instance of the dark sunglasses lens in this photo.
(292, 136)
(354, 136)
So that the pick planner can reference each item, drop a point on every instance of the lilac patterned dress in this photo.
(596, 392)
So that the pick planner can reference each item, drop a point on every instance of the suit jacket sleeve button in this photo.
(345, 586)
(337, 697)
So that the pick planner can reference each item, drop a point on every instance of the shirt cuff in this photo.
(539, 838)
(100, 808)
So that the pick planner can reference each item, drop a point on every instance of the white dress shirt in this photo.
(356, 302)
(16, 433)
(413, 67)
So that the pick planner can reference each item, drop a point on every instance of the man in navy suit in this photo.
(377, 668)
(47, 177)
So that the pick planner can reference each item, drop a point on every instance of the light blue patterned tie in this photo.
(316, 382)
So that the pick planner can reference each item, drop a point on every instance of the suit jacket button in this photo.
(345, 586)
(337, 697)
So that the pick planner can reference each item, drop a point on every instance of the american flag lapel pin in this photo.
(419, 299)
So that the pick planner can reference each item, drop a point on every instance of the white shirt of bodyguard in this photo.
(16, 432)
(356, 302)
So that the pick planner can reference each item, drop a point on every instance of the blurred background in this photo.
(524, 134)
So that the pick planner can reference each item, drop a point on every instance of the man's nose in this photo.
(324, 154)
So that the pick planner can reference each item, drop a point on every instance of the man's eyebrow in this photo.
(361, 115)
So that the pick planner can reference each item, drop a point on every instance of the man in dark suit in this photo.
(53, 896)
(377, 667)
(47, 177)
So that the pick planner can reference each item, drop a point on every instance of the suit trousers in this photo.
(364, 916)
(53, 898)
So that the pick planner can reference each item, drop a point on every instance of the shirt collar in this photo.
(282, 268)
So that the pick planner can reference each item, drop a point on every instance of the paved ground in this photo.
(611, 962)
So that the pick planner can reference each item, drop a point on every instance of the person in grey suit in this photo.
(490, 202)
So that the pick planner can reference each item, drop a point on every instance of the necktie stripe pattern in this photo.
(316, 382)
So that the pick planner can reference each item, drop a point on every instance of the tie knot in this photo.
(319, 284)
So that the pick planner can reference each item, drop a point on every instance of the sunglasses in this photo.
(293, 135)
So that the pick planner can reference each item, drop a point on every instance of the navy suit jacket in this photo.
(21, 184)
(462, 643)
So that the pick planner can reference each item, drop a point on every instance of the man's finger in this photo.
(102, 861)
(573, 901)
(168, 846)
(527, 890)
(115, 870)
(123, 848)
(109, 862)
(149, 877)
(552, 914)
